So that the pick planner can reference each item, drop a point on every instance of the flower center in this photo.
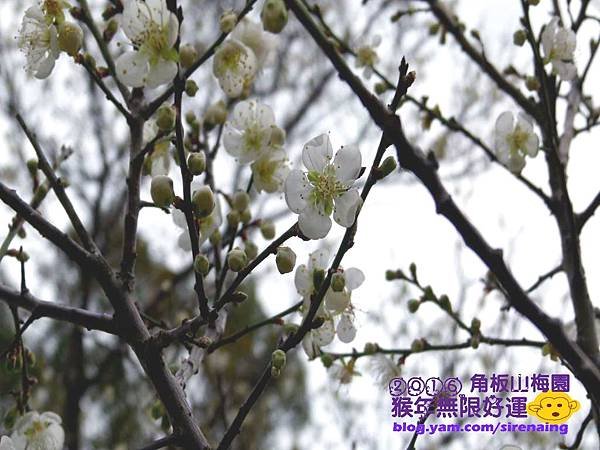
(366, 55)
(231, 58)
(517, 140)
(154, 41)
(326, 188)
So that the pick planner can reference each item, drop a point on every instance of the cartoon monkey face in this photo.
(554, 407)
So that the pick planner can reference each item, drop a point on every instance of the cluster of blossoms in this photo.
(34, 431)
(337, 305)
(44, 33)
(513, 140)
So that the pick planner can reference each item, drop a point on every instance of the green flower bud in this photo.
(22, 256)
(434, 28)
(533, 2)
(278, 359)
(203, 201)
(165, 118)
(371, 348)
(233, 219)
(445, 303)
(111, 29)
(216, 114)
(89, 60)
(267, 229)
(240, 201)
(188, 55)
(546, 349)
(236, 260)
(275, 372)
(32, 166)
(327, 360)
(318, 278)
(215, 238)
(418, 345)
(290, 328)
(475, 340)
(246, 216)
(338, 282)
(227, 21)
(190, 117)
(277, 136)
(380, 87)
(196, 162)
(532, 84)
(191, 88)
(239, 297)
(251, 250)
(475, 325)
(428, 293)
(70, 38)
(274, 16)
(387, 166)
(285, 260)
(161, 191)
(519, 37)
(413, 305)
(390, 275)
(201, 264)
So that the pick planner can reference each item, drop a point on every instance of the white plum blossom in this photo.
(514, 140)
(247, 135)
(366, 56)
(160, 159)
(383, 369)
(327, 187)
(270, 171)
(262, 43)
(35, 431)
(234, 65)
(336, 304)
(153, 31)
(38, 40)
(559, 45)
(206, 225)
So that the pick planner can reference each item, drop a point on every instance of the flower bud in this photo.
(165, 118)
(236, 260)
(533, 2)
(251, 250)
(203, 201)
(285, 260)
(413, 305)
(233, 219)
(475, 325)
(22, 256)
(246, 216)
(216, 114)
(267, 229)
(190, 117)
(191, 88)
(277, 136)
(161, 191)
(275, 373)
(70, 38)
(274, 15)
(215, 238)
(327, 360)
(111, 29)
(290, 328)
(371, 348)
(387, 166)
(238, 297)
(475, 340)
(32, 166)
(227, 21)
(445, 303)
(338, 282)
(532, 84)
(519, 37)
(201, 264)
(418, 345)
(187, 56)
(318, 278)
(240, 201)
(380, 87)
(196, 162)
(278, 359)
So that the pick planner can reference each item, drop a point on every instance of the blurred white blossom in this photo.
(559, 45)
(38, 40)
(35, 431)
(366, 56)
(514, 140)
(234, 65)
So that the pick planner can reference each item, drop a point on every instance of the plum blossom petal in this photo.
(297, 191)
(346, 331)
(354, 278)
(346, 207)
(314, 224)
(317, 153)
